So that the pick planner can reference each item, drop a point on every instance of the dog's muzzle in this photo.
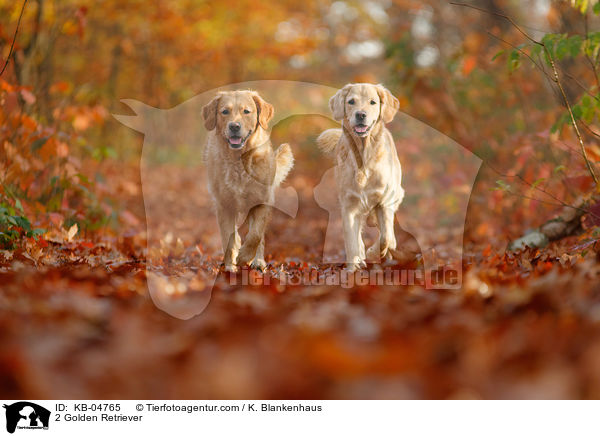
(362, 129)
(237, 142)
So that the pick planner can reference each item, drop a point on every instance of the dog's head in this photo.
(236, 115)
(361, 105)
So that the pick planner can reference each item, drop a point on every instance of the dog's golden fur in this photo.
(243, 171)
(368, 171)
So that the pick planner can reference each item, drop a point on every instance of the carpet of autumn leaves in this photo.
(78, 322)
(77, 319)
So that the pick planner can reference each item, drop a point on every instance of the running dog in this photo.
(243, 172)
(368, 171)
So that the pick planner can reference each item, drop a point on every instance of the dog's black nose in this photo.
(360, 115)
(234, 127)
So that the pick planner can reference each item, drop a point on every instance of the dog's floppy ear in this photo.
(209, 113)
(389, 104)
(265, 110)
(337, 103)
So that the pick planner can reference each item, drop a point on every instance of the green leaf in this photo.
(514, 60)
(500, 53)
(83, 178)
(575, 43)
(586, 101)
(549, 40)
(38, 143)
(596, 8)
(23, 223)
(502, 186)
(562, 49)
(537, 183)
(580, 5)
(562, 120)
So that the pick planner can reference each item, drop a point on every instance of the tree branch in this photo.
(498, 14)
(556, 80)
(557, 201)
(12, 45)
(524, 53)
(591, 62)
(573, 122)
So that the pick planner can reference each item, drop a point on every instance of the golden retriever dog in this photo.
(243, 172)
(368, 172)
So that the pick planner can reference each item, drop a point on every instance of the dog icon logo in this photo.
(26, 415)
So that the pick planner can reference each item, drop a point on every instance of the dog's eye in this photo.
(373, 102)
(351, 101)
(225, 111)
(246, 111)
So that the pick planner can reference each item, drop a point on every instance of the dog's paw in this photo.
(355, 266)
(379, 252)
(230, 268)
(259, 264)
(245, 256)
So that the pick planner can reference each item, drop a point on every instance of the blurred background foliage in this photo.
(468, 73)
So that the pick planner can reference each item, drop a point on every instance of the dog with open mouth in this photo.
(243, 172)
(368, 172)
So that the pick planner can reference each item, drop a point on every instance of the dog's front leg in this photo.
(259, 258)
(352, 240)
(387, 238)
(253, 247)
(381, 249)
(230, 238)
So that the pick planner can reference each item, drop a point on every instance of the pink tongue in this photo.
(360, 129)
(235, 140)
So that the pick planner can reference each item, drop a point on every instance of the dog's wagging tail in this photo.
(328, 140)
(285, 161)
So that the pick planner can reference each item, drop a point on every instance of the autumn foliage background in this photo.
(75, 317)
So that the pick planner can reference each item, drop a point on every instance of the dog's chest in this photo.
(372, 186)
(239, 187)
(374, 191)
(235, 178)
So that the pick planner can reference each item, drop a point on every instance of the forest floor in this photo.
(79, 322)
